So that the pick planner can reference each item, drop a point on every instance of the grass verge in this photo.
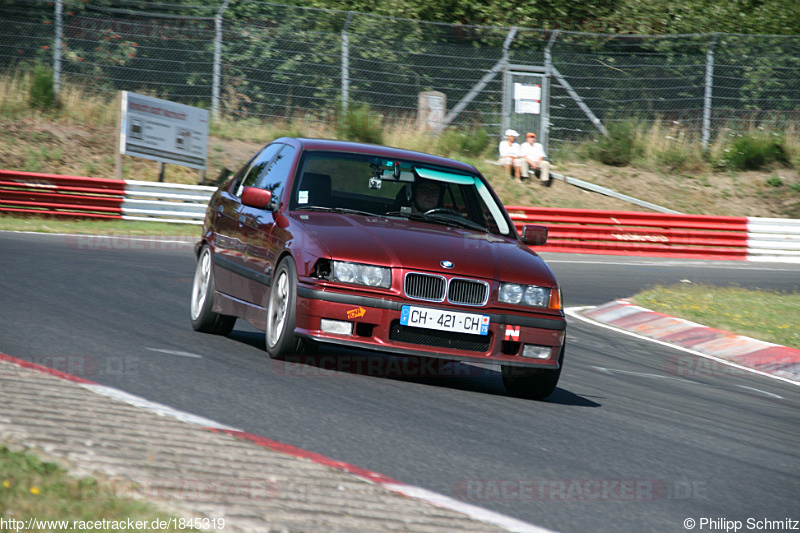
(765, 315)
(41, 224)
(31, 488)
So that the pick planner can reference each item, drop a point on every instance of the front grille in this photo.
(439, 339)
(433, 288)
(425, 287)
(468, 292)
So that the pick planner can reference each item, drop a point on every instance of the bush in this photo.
(42, 92)
(673, 158)
(619, 147)
(454, 142)
(360, 124)
(754, 152)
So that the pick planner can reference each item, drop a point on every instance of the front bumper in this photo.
(376, 326)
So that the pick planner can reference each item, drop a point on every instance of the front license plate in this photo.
(426, 317)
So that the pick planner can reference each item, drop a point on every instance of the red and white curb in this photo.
(410, 491)
(738, 351)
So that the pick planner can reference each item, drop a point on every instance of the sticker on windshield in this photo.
(303, 197)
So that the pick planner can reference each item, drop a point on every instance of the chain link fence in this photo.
(269, 61)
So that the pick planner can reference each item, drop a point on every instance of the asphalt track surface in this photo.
(625, 444)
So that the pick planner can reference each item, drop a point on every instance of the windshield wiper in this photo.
(440, 218)
(344, 210)
(458, 221)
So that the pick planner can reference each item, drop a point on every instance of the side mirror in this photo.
(534, 235)
(258, 198)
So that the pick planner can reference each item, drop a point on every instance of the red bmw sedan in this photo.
(319, 241)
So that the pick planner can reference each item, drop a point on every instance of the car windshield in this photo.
(373, 186)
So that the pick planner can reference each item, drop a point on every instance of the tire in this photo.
(532, 383)
(282, 311)
(203, 317)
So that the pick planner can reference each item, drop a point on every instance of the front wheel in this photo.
(532, 383)
(281, 310)
(203, 317)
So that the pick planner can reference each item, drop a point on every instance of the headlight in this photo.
(532, 295)
(536, 296)
(511, 293)
(370, 275)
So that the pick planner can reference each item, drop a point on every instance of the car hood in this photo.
(424, 246)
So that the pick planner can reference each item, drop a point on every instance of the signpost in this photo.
(162, 131)
(525, 101)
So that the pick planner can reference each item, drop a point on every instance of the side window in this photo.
(278, 174)
(258, 167)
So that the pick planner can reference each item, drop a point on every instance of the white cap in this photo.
(512, 132)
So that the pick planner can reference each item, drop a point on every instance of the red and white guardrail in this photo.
(570, 230)
(664, 234)
(27, 192)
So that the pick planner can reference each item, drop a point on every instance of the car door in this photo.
(259, 225)
(231, 247)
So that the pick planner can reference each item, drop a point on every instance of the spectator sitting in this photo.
(509, 154)
(532, 157)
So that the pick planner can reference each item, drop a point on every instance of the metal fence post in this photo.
(217, 60)
(346, 63)
(506, 110)
(708, 92)
(57, 46)
(548, 72)
(484, 81)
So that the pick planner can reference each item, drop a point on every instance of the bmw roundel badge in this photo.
(447, 264)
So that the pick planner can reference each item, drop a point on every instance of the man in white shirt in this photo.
(533, 158)
(509, 154)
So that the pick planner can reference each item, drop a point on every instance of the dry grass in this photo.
(79, 139)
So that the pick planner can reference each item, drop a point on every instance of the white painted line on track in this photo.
(613, 371)
(473, 511)
(175, 352)
(154, 407)
(574, 312)
(762, 392)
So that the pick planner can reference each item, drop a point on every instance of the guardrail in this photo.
(51, 194)
(664, 234)
(773, 239)
(570, 230)
(585, 185)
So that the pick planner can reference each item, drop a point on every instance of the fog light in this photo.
(536, 352)
(339, 327)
